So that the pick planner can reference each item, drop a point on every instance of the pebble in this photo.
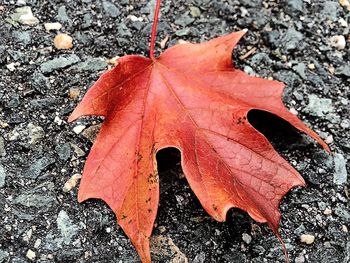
(338, 42)
(340, 175)
(90, 65)
(2, 147)
(246, 238)
(195, 11)
(300, 259)
(63, 151)
(2, 176)
(71, 183)
(291, 39)
(66, 227)
(23, 37)
(21, 2)
(24, 15)
(311, 66)
(327, 212)
(110, 9)
(63, 41)
(79, 128)
(35, 133)
(307, 239)
(52, 26)
(91, 132)
(30, 254)
(38, 166)
(59, 63)
(294, 7)
(329, 139)
(343, 22)
(344, 3)
(62, 16)
(58, 120)
(37, 243)
(74, 93)
(345, 124)
(343, 213)
(318, 107)
(3, 255)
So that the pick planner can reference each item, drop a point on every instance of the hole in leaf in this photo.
(278, 131)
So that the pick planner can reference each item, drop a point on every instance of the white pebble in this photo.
(338, 42)
(78, 129)
(52, 26)
(58, 120)
(71, 183)
(246, 238)
(37, 243)
(329, 139)
(307, 239)
(30, 254)
(327, 212)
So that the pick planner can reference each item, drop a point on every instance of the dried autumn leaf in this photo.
(190, 98)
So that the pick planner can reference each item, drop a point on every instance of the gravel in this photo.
(42, 155)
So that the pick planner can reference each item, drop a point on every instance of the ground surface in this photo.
(39, 151)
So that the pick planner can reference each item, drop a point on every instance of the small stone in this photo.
(63, 151)
(246, 238)
(30, 254)
(327, 212)
(300, 259)
(58, 120)
(338, 42)
(2, 176)
(24, 15)
(307, 239)
(66, 227)
(91, 132)
(343, 213)
(319, 107)
(311, 66)
(90, 65)
(343, 22)
(52, 26)
(344, 3)
(23, 37)
(62, 15)
(329, 139)
(3, 255)
(59, 63)
(2, 147)
(291, 39)
(74, 93)
(71, 183)
(11, 67)
(110, 9)
(345, 124)
(340, 175)
(21, 2)
(63, 41)
(344, 228)
(35, 133)
(37, 243)
(113, 61)
(195, 11)
(38, 166)
(79, 128)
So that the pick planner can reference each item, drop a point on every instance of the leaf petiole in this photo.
(154, 30)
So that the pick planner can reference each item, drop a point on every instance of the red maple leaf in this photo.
(190, 98)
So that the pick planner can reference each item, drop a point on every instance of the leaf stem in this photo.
(154, 30)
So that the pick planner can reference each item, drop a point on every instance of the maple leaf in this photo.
(190, 98)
